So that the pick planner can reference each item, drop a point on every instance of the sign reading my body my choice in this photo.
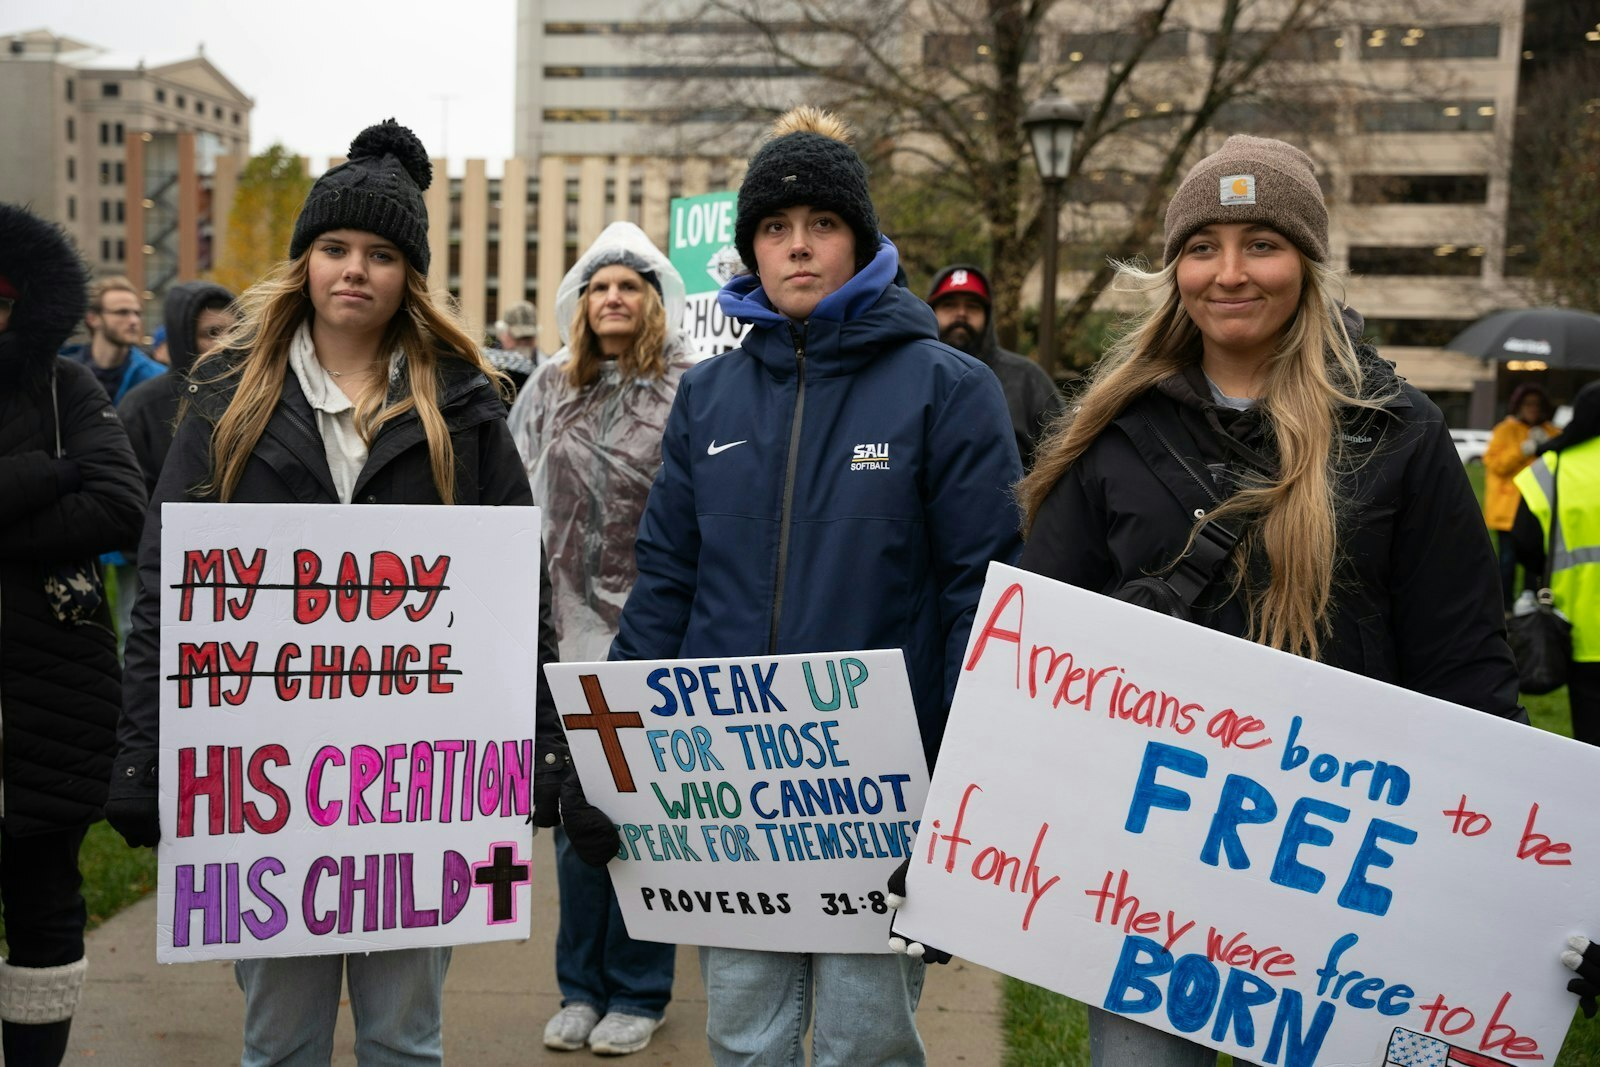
(1288, 862)
(347, 721)
(762, 803)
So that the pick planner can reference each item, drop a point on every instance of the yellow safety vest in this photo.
(1575, 549)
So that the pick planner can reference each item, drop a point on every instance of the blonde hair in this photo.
(426, 329)
(1311, 377)
(646, 355)
(111, 283)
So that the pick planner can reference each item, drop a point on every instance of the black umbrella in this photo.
(1556, 337)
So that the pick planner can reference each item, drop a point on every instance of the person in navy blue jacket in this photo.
(840, 481)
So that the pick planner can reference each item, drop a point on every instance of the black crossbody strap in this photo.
(1214, 542)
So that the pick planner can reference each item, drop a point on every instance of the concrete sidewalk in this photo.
(136, 1013)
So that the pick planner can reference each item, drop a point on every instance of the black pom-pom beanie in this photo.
(809, 168)
(378, 190)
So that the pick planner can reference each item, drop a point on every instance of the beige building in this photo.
(1415, 142)
(72, 123)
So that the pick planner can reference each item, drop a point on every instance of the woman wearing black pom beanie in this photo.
(336, 346)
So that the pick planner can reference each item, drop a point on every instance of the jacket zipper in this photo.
(1204, 482)
(788, 485)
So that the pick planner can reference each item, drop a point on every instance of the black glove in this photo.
(131, 805)
(897, 900)
(1583, 957)
(590, 831)
(549, 771)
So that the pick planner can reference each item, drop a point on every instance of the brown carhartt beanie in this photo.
(1252, 179)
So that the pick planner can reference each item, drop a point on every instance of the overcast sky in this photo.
(321, 70)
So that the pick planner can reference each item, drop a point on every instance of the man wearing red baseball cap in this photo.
(960, 300)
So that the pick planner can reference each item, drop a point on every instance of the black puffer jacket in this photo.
(150, 409)
(289, 466)
(1416, 596)
(59, 683)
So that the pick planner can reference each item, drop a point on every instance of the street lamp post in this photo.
(1051, 124)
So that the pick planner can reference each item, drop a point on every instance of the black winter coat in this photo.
(1416, 598)
(289, 466)
(60, 686)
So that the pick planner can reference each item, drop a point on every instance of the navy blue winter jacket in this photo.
(834, 484)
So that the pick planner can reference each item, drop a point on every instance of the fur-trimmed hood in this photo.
(52, 284)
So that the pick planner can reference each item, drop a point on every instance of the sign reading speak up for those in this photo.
(347, 721)
(1284, 861)
(762, 803)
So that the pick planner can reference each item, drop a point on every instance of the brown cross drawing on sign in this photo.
(605, 721)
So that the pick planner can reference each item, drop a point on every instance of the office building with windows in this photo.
(82, 125)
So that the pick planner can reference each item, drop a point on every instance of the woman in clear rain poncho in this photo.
(589, 426)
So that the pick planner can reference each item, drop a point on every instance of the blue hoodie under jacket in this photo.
(835, 484)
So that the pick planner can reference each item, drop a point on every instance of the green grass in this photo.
(1044, 1029)
(114, 875)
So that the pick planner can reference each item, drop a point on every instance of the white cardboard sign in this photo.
(762, 802)
(1288, 862)
(347, 724)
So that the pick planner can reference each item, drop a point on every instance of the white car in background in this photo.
(1470, 444)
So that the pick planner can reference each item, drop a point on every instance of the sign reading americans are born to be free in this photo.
(762, 802)
(347, 725)
(1294, 864)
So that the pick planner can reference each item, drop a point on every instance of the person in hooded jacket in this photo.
(198, 315)
(346, 381)
(69, 489)
(961, 302)
(1358, 538)
(839, 481)
(1516, 439)
(589, 428)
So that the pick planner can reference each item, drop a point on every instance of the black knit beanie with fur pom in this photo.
(378, 190)
(806, 160)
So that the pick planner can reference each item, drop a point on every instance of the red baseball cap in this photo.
(961, 280)
(7, 290)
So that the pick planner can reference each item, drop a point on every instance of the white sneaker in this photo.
(570, 1027)
(619, 1034)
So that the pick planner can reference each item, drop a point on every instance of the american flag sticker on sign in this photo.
(1407, 1048)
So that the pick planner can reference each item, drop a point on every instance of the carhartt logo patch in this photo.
(872, 457)
(1238, 189)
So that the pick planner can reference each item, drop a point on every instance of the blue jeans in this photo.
(396, 998)
(758, 1005)
(597, 963)
(1117, 1041)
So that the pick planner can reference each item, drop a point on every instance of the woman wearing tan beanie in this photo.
(1241, 460)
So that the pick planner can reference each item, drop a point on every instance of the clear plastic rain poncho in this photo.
(592, 454)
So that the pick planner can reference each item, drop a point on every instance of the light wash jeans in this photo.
(1117, 1041)
(758, 1005)
(396, 997)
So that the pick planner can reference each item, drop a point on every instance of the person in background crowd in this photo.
(344, 381)
(518, 355)
(158, 346)
(69, 489)
(960, 300)
(1359, 543)
(116, 323)
(199, 314)
(589, 429)
(1574, 456)
(1512, 447)
(760, 539)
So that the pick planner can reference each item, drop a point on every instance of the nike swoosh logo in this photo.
(713, 448)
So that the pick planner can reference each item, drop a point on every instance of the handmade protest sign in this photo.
(347, 724)
(762, 802)
(1282, 860)
(701, 247)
